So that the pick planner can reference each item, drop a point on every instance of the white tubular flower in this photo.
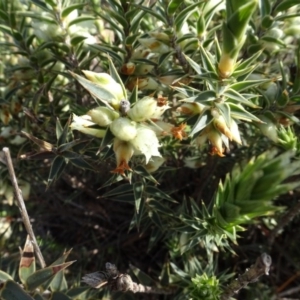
(220, 124)
(143, 109)
(215, 138)
(154, 45)
(154, 164)
(123, 151)
(83, 123)
(146, 143)
(235, 133)
(107, 83)
(191, 108)
(102, 116)
(124, 129)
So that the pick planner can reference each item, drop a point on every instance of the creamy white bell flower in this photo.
(123, 151)
(82, 124)
(146, 143)
(143, 109)
(154, 164)
(124, 129)
(103, 116)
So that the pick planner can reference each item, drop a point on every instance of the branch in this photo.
(22, 207)
(261, 267)
(120, 282)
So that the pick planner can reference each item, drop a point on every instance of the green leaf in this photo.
(66, 11)
(115, 75)
(141, 276)
(127, 198)
(265, 8)
(58, 128)
(140, 170)
(76, 40)
(134, 95)
(112, 23)
(82, 163)
(138, 189)
(58, 282)
(270, 39)
(4, 16)
(111, 51)
(59, 296)
(51, 3)
(81, 19)
(12, 291)
(241, 15)
(206, 96)
(135, 21)
(119, 18)
(193, 64)
(122, 189)
(239, 112)
(247, 65)
(77, 292)
(173, 6)
(225, 110)
(68, 146)
(204, 119)
(4, 276)
(184, 14)
(57, 167)
(100, 92)
(285, 5)
(62, 135)
(42, 5)
(38, 296)
(130, 40)
(207, 60)
(41, 276)
(39, 17)
(234, 95)
(244, 85)
(158, 206)
(157, 193)
(152, 12)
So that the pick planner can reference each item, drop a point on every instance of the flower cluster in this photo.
(136, 128)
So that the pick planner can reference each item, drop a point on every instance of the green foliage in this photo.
(38, 284)
(170, 124)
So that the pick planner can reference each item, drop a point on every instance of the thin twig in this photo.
(261, 267)
(291, 291)
(22, 207)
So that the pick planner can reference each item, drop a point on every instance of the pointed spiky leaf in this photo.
(12, 291)
(27, 264)
(41, 276)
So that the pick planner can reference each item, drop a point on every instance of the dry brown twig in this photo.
(261, 267)
(22, 207)
(120, 282)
